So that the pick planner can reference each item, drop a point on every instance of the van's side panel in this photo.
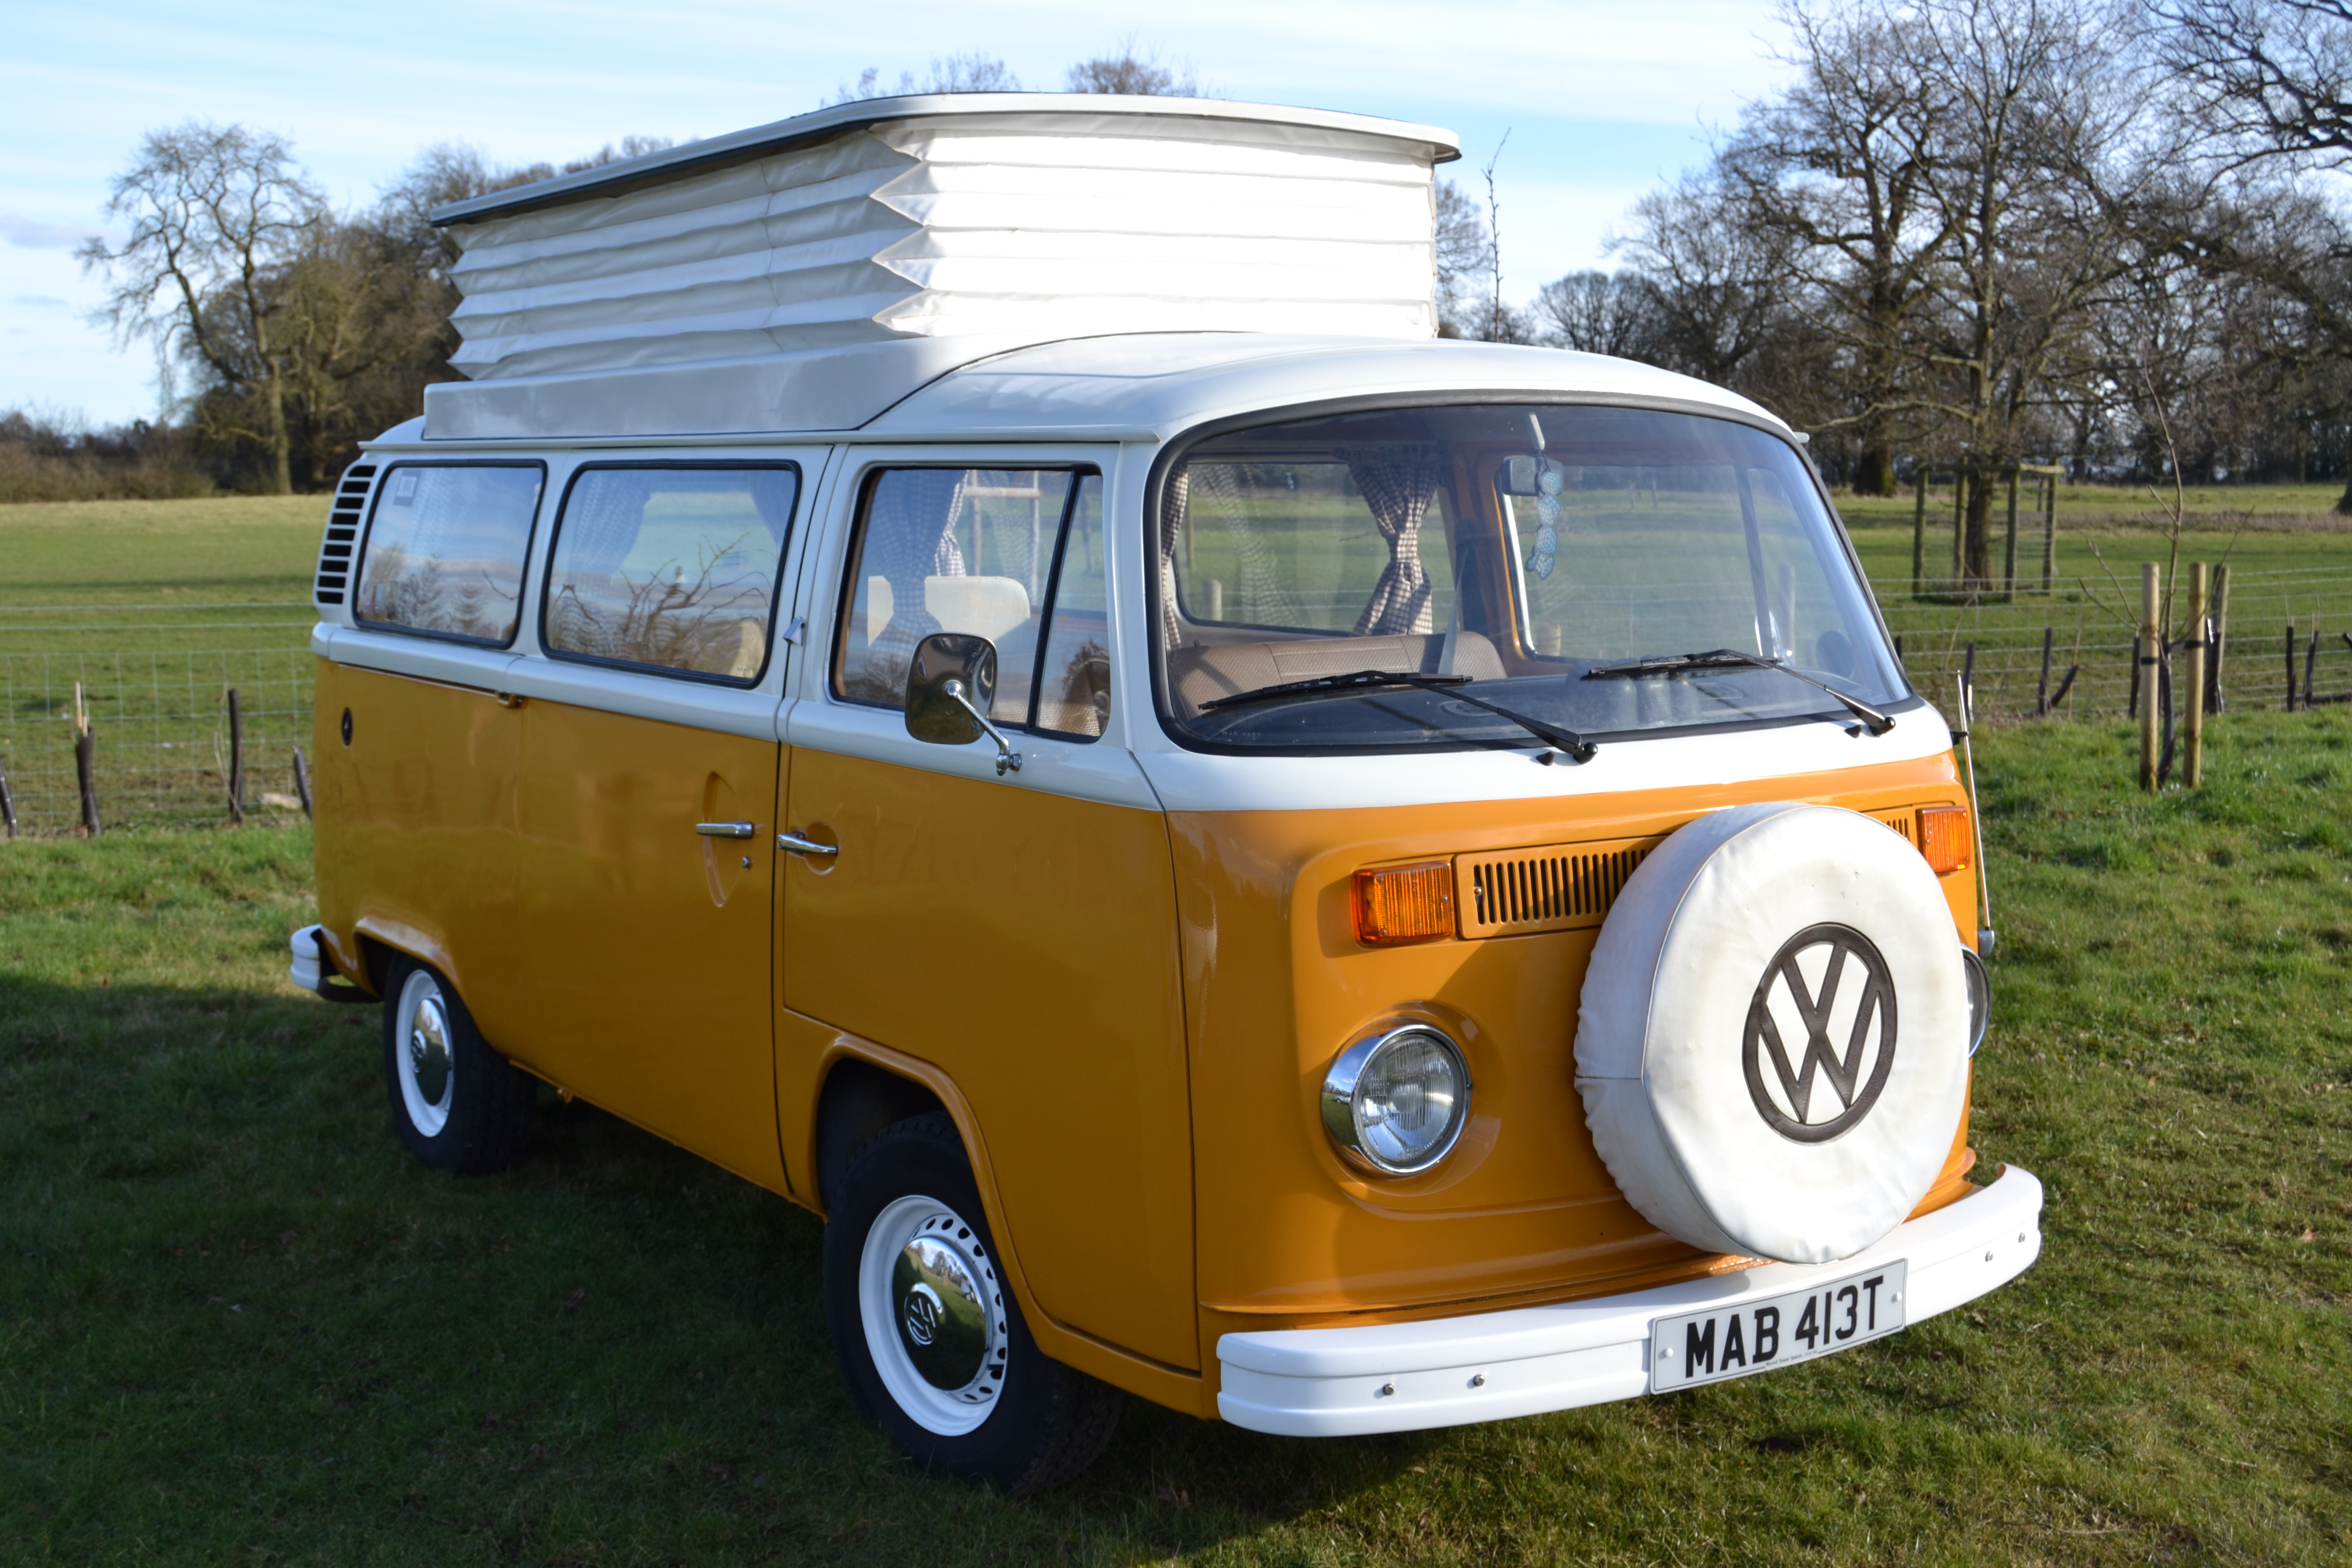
(1289, 1233)
(1025, 943)
(416, 826)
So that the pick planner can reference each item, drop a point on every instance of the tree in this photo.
(2274, 76)
(214, 212)
(1596, 312)
(1717, 283)
(974, 72)
(1140, 75)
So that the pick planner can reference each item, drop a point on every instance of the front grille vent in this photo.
(335, 550)
(1551, 886)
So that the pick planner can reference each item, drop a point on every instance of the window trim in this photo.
(1179, 446)
(367, 538)
(671, 671)
(852, 554)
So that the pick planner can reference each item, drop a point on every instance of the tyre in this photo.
(460, 1106)
(930, 1340)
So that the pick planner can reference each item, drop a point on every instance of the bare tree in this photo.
(1719, 283)
(1596, 312)
(1462, 255)
(2274, 76)
(214, 213)
(1128, 71)
(973, 72)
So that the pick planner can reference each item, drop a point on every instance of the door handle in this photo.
(794, 844)
(726, 829)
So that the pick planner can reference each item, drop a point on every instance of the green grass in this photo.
(237, 1323)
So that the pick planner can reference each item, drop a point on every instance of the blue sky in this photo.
(1602, 100)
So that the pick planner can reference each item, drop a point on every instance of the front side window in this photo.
(1014, 555)
(1522, 555)
(672, 569)
(445, 549)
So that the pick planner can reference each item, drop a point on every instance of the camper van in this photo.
(976, 661)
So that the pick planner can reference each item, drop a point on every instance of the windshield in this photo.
(1508, 553)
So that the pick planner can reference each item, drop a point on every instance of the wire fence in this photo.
(161, 739)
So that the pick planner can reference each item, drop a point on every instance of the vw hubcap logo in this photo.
(922, 1315)
(1829, 989)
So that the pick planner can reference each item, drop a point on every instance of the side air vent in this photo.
(335, 552)
(1551, 886)
(1905, 822)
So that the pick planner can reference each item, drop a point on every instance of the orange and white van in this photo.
(972, 661)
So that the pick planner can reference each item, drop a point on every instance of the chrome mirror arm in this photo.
(1007, 759)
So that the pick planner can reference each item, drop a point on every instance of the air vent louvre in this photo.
(333, 576)
(1548, 887)
(1905, 822)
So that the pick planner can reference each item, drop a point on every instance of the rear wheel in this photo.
(930, 1338)
(460, 1106)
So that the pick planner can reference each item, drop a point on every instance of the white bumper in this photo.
(1401, 1377)
(309, 970)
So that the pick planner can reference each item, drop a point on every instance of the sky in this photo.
(1602, 101)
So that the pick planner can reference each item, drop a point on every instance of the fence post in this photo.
(2193, 758)
(2148, 648)
(2048, 531)
(2290, 666)
(2009, 549)
(2041, 692)
(1920, 530)
(7, 803)
(235, 762)
(301, 782)
(85, 763)
(2220, 638)
(2311, 665)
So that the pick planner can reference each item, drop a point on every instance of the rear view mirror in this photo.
(950, 681)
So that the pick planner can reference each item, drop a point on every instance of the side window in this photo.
(445, 549)
(1073, 668)
(981, 551)
(670, 568)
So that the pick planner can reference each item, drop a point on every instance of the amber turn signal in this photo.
(1944, 838)
(1397, 904)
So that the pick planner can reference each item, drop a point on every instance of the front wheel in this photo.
(460, 1106)
(930, 1339)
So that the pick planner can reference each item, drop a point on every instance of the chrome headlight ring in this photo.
(1979, 983)
(1396, 1100)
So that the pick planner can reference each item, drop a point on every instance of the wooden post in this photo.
(301, 782)
(2041, 692)
(85, 762)
(235, 762)
(1959, 527)
(7, 803)
(2311, 667)
(2009, 549)
(2220, 638)
(1920, 530)
(2290, 666)
(2193, 758)
(2048, 532)
(2150, 646)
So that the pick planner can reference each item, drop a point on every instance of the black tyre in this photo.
(930, 1341)
(460, 1106)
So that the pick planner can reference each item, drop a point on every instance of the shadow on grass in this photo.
(238, 1317)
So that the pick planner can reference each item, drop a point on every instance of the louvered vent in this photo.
(1905, 822)
(1551, 886)
(335, 552)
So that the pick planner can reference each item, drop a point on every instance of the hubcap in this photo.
(428, 1064)
(934, 1314)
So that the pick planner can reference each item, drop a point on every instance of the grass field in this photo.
(237, 1324)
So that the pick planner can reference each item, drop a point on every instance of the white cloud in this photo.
(41, 303)
(32, 234)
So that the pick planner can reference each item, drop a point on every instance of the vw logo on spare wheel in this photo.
(1820, 1034)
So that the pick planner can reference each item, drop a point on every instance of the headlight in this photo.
(1397, 1102)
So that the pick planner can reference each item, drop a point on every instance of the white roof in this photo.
(969, 223)
(1152, 384)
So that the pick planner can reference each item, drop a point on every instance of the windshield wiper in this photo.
(1731, 658)
(1552, 735)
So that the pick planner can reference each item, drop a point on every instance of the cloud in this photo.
(41, 303)
(34, 235)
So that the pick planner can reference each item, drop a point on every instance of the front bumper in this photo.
(1402, 1377)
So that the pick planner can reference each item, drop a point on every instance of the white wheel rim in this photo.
(424, 1054)
(927, 1287)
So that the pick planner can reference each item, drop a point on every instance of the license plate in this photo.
(1758, 1335)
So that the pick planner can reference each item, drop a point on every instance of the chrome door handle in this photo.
(794, 844)
(728, 829)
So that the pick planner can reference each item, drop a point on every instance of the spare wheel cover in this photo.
(1816, 1154)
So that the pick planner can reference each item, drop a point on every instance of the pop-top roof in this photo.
(830, 245)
